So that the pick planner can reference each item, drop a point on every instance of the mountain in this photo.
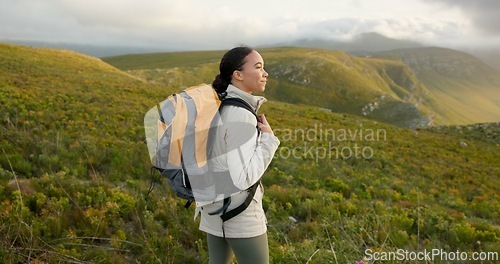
(361, 44)
(381, 87)
(358, 45)
(367, 43)
(344, 83)
(74, 173)
(463, 88)
(327, 79)
(489, 56)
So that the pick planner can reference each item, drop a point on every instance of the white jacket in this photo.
(240, 150)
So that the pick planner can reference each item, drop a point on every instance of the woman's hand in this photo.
(264, 125)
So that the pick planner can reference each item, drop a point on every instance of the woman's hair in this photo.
(231, 61)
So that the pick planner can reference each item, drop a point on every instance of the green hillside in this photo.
(74, 171)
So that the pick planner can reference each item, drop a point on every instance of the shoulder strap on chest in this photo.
(239, 103)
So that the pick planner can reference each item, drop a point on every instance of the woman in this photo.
(245, 153)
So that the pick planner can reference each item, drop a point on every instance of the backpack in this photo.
(179, 135)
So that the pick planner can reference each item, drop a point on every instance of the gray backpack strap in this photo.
(226, 215)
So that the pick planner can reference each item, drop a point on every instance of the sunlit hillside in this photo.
(74, 173)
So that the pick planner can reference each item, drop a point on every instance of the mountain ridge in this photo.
(358, 45)
(445, 61)
(379, 83)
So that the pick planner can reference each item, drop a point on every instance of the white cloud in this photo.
(484, 14)
(198, 24)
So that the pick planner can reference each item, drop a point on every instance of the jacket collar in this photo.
(254, 101)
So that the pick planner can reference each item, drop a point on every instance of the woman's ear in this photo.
(237, 75)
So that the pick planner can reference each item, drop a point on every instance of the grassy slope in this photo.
(65, 96)
(74, 170)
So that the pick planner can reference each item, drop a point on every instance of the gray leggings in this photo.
(253, 250)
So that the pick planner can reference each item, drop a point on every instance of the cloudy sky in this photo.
(221, 24)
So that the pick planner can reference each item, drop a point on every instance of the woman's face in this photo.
(252, 77)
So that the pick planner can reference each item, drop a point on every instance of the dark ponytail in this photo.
(231, 61)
